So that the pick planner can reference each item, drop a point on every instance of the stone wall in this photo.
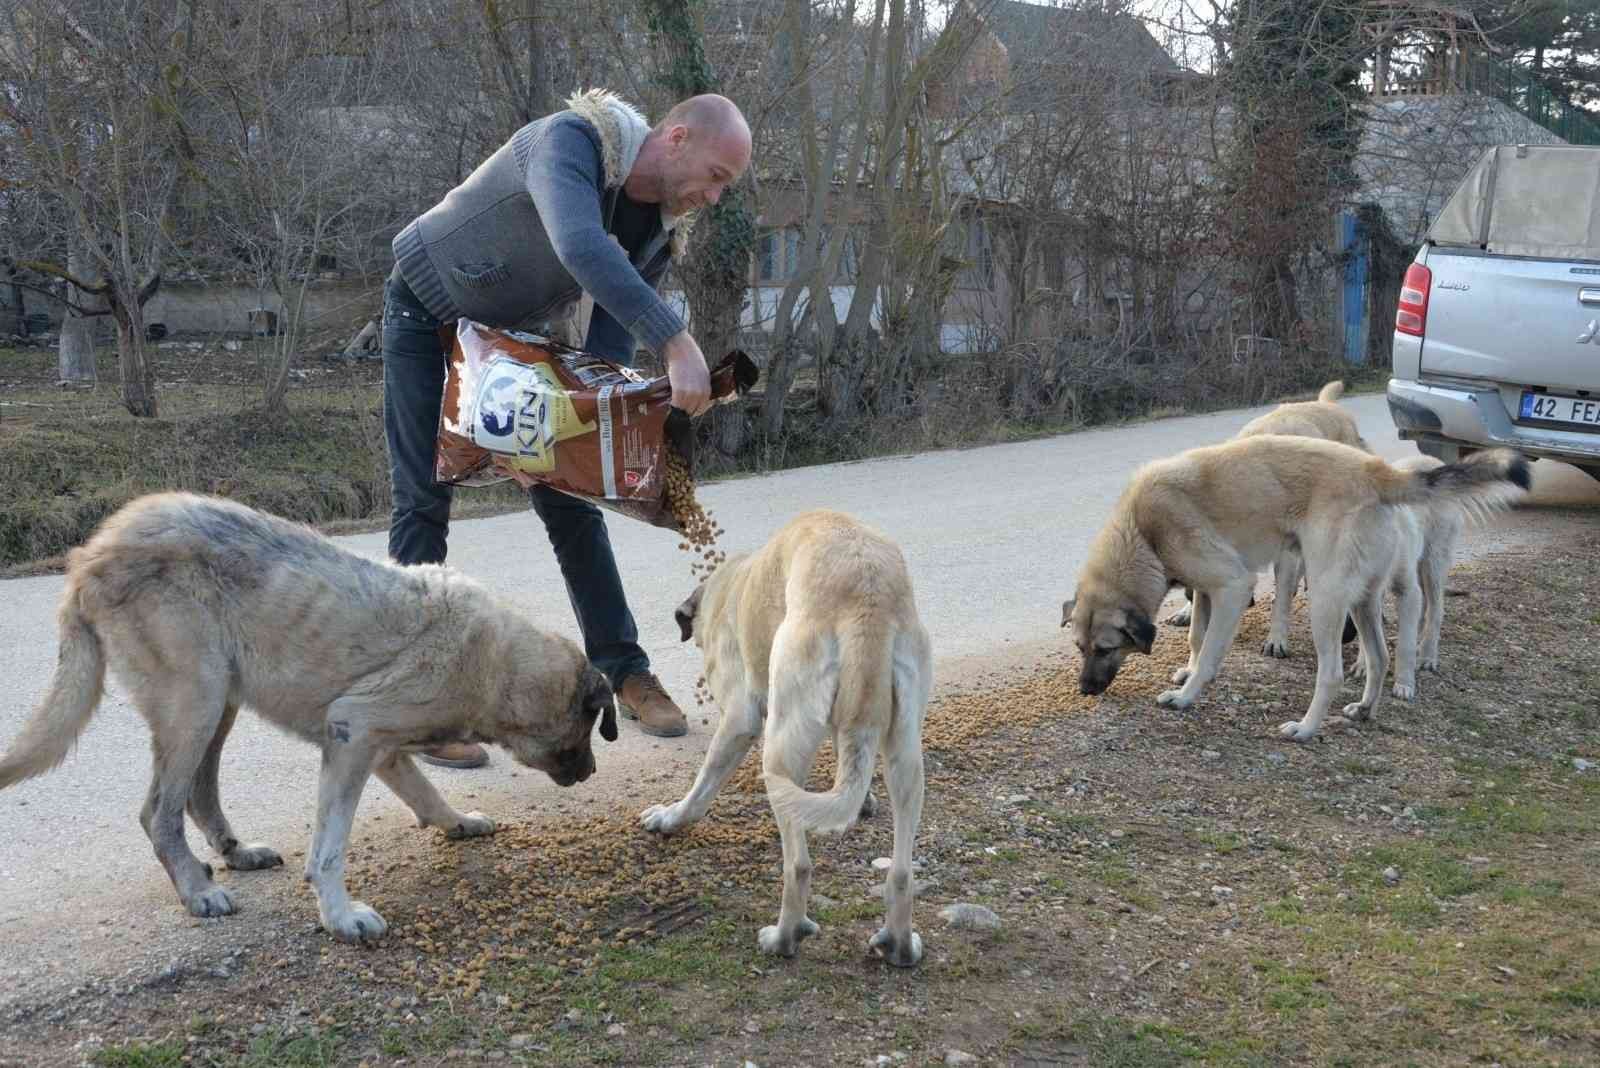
(1417, 148)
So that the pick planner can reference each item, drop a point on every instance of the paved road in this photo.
(994, 537)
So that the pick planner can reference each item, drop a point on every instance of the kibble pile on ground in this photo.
(556, 896)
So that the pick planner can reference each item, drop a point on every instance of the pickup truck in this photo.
(1497, 333)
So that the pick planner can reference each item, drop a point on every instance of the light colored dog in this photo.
(1211, 517)
(200, 606)
(1428, 537)
(817, 633)
(1321, 418)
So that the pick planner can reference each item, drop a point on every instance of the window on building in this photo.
(967, 239)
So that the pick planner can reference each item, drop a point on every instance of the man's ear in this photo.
(686, 613)
(1140, 631)
(1066, 610)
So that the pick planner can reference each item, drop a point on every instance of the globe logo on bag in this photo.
(497, 407)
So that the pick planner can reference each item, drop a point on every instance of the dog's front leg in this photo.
(347, 760)
(1285, 578)
(1226, 607)
(1408, 624)
(400, 774)
(736, 733)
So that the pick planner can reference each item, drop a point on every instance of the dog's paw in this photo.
(211, 901)
(1180, 618)
(358, 923)
(902, 953)
(1276, 647)
(1405, 690)
(1174, 699)
(1181, 676)
(251, 857)
(662, 819)
(1355, 711)
(472, 825)
(1295, 732)
(772, 940)
(1430, 663)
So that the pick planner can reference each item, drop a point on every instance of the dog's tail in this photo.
(48, 735)
(1331, 392)
(1481, 483)
(865, 698)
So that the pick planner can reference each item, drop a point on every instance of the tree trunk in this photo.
(75, 362)
(138, 371)
(714, 274)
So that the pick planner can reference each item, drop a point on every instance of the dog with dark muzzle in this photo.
(1211, 517)
(201, 606)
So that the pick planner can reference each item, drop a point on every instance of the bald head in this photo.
(693, 154)
(707, 113)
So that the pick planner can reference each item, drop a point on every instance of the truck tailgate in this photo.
(1511, 320)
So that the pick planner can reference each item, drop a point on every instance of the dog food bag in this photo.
(520, 406)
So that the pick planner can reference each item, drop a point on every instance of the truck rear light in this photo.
(1412, 315)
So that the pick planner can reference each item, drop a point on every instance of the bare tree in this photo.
(714, 273)
(104, 107)
(296, 161)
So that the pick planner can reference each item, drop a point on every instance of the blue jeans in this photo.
(413, 390)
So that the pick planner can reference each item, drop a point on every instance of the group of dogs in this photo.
(201, 605)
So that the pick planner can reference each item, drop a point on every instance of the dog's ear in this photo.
(1066, 610)
(687, 611)
(1140, 631)
(598, 700)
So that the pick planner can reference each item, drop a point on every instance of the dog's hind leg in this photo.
(1368, 614)
(205, 807)
(1182, 616)
(1227, 606)
(184, 714)
(1200, 619)
(347, 760)
(1327, 618)
(896, 942)
(736, 733)
(400, 773)
(1408, 622)
(1431, 575)
(804, 682)
(790, 748)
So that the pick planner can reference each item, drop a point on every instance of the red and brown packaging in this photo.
(523, 407)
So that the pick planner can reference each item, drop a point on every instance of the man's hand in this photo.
(686, 370)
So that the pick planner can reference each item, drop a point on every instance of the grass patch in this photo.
(319, 1050)
(167, 1053)
(1221, 844)
(1583, 994)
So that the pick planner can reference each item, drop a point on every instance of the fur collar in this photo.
(622, 130)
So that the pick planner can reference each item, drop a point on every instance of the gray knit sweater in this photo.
(526, 234)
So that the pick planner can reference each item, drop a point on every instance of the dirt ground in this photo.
(1170, 888)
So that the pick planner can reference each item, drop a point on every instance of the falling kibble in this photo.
(700, 531)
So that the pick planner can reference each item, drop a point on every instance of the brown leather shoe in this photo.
(456, 755)
(643, 698)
